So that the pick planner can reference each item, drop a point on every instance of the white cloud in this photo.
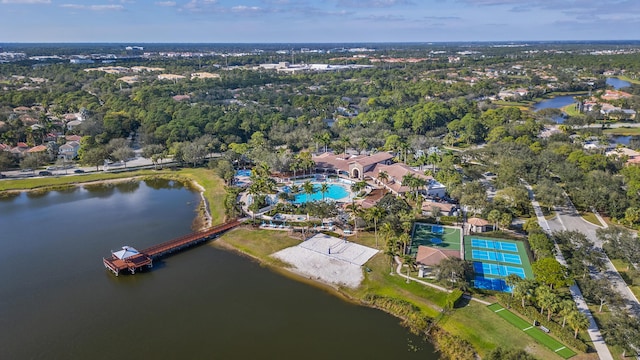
(246, 9)
(373, 3)
(166, 3)
(25, 2)
(93, 7)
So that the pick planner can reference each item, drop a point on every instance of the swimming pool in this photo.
(335, 192)
(243, 173)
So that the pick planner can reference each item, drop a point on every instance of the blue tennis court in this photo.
(436, 229)
(497, 270)
(496, 256)
(491, 284)
(491, 244)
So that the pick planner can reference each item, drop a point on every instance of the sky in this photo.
(316, 21)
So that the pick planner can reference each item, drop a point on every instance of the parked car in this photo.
(45, 173)
(78, 171)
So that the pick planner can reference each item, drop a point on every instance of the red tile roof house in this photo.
(397, 172)
(37, 149)
(353, 166)
(429, 257)
(478, 225)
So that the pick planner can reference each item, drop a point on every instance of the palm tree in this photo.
(566, 307)
(505, 220)
(410, 263)
(383, 175)
(325, 139)
(405, 240)
(578, 321)
(324, 188)
(391, 250)
(512, 280)
(308, 189)
(354, 209)
(434, 158)
(545, 299)
(494, 217)
(374, 214)
(524, 290)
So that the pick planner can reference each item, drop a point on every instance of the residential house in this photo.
(446, 209)
(632, 156)
(69, 150)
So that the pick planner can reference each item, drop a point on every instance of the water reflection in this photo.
(59, 301)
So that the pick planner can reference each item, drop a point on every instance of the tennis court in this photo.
(494, 260)
(533, 331)
(440, 236)
(492, 244)
(496, 256)
(497, 270)
(487, 283)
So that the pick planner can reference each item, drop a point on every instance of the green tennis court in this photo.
(533, 331)
(496, 258)
(447, 238)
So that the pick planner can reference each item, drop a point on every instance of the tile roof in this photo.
(430, 256)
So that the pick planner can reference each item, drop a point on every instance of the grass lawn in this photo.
(533, 331)
(625, 131)
(623, 268)
(473, 322)
(591, 217)
(43, 182)
(570, 110)
(626, 78)
(214, 190)
(259, 243)
(486, 331)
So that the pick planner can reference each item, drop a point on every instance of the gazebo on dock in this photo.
(127, 259)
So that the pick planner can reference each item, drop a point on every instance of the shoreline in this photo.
(288, 272)
(203, 216)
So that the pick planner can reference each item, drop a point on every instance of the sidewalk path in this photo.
(594, 332)
(409, 278)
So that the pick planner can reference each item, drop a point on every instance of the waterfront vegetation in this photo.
(212, 184)
(426, 113)
(427, 304)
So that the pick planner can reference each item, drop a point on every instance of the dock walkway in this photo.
(145, 257)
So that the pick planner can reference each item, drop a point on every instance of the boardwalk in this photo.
(134, 260)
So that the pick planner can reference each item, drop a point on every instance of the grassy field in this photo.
(258, 243)
(533, 331)
(626, 78)
(591, 217)
(473, 322)
(625, 131)
(570, 110)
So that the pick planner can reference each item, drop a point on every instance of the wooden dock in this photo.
(144, 258)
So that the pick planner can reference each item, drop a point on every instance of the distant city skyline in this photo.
(306, 21)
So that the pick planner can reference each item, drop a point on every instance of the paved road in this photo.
(567, 218)
(593, 330)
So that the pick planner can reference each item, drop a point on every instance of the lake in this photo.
(57, 301)
(557, 102)
(617, 83)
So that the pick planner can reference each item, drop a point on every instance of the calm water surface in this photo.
(57, 301)
(617, 83)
